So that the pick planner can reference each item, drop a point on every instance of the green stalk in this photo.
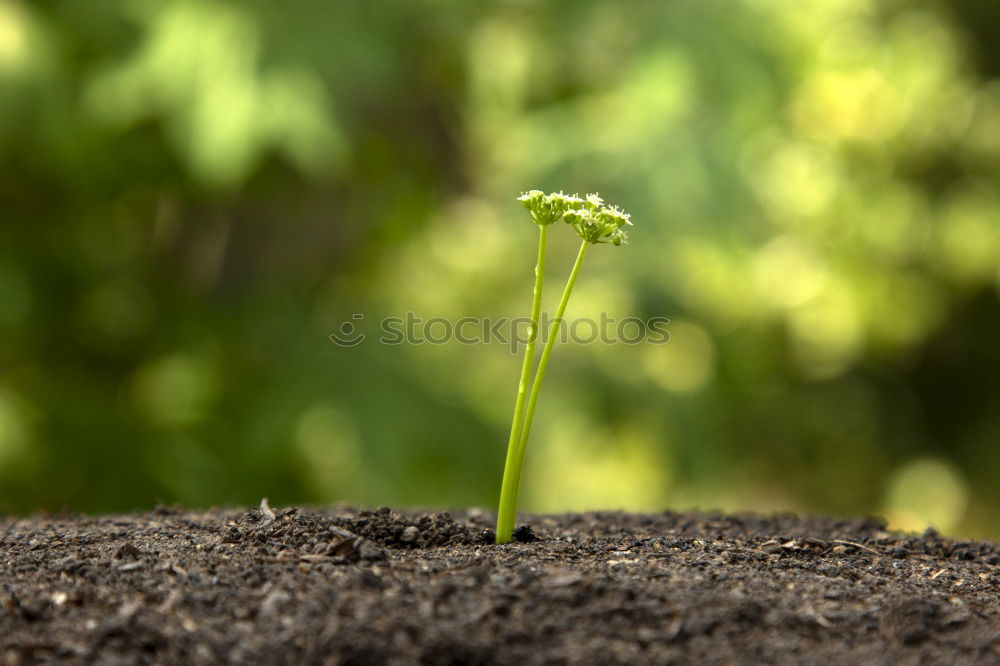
(508, 491)
(512, 472)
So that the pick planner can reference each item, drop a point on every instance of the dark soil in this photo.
(288, 586)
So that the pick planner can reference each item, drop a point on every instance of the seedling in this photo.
(594, 223)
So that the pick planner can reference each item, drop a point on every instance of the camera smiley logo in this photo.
(348, 335)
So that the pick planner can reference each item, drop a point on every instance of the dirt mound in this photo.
(291, 586)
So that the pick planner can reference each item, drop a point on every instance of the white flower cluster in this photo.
(594, 222)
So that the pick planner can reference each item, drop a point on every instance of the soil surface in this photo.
(296, 586)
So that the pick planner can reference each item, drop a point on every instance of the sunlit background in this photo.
(195, 194)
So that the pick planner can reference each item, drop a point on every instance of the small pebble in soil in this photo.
(371, 552)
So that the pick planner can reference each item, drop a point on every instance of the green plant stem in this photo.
(508, 491)
(512, 473)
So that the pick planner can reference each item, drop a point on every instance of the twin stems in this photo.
(521, 426)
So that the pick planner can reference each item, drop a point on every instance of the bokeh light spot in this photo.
(686, 364)
(328, 442)
(579, 466)
(14, 37)
(926, 493)
(174, 390)
(969, 234)
(828, 331)
(14, 428)
(119, 309)
(788, 273)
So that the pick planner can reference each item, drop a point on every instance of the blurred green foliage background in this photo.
(194, 194)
